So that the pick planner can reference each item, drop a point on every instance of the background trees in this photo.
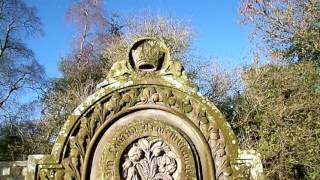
(102, 40)
(289, 30)
(279, 116)
(82, 69)
(19, 73)
(273, 106)
(278, 112)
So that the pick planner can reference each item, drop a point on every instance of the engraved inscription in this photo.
(147, 151)
(109, 171)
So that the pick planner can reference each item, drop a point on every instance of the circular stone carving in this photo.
(149, 158)
(113, 166)
(144, 148)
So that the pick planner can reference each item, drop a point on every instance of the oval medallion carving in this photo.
(141, 148)
(147, 150)
(149, 158)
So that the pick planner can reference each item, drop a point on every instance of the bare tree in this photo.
(19, 69)
(20, 74)
(81, 69)
(289, 28)
(80, 76)
(88, 17)
(177, 34)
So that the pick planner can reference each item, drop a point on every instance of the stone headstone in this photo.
(146, 121)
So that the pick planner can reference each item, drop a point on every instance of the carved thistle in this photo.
(149, 159)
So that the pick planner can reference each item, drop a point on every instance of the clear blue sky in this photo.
(215, 21)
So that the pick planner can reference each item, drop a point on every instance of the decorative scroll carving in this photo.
(148, 95)
(148, 58)
(149, 159)
(121, 70)
(216, 142)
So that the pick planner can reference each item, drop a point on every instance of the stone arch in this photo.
(126, 90)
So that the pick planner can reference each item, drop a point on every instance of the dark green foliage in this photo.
(19, 139)
(279, 115)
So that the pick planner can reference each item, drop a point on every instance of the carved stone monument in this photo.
(145, 122)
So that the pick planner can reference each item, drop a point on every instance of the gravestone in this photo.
(146, 121)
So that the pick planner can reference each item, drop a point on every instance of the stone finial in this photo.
(147, 54)
(148, 57)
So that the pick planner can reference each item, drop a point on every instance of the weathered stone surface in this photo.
(13, 170)
(146, 121)
(124, 136)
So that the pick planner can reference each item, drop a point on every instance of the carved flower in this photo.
(157, 148)
(127, 164)
(157, 151)
(143, 144)
(172, 100)
(167, 165)
(125, 98)
(149, 95)
(135, 153)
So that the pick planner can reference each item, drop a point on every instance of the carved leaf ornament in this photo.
(152, 79)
